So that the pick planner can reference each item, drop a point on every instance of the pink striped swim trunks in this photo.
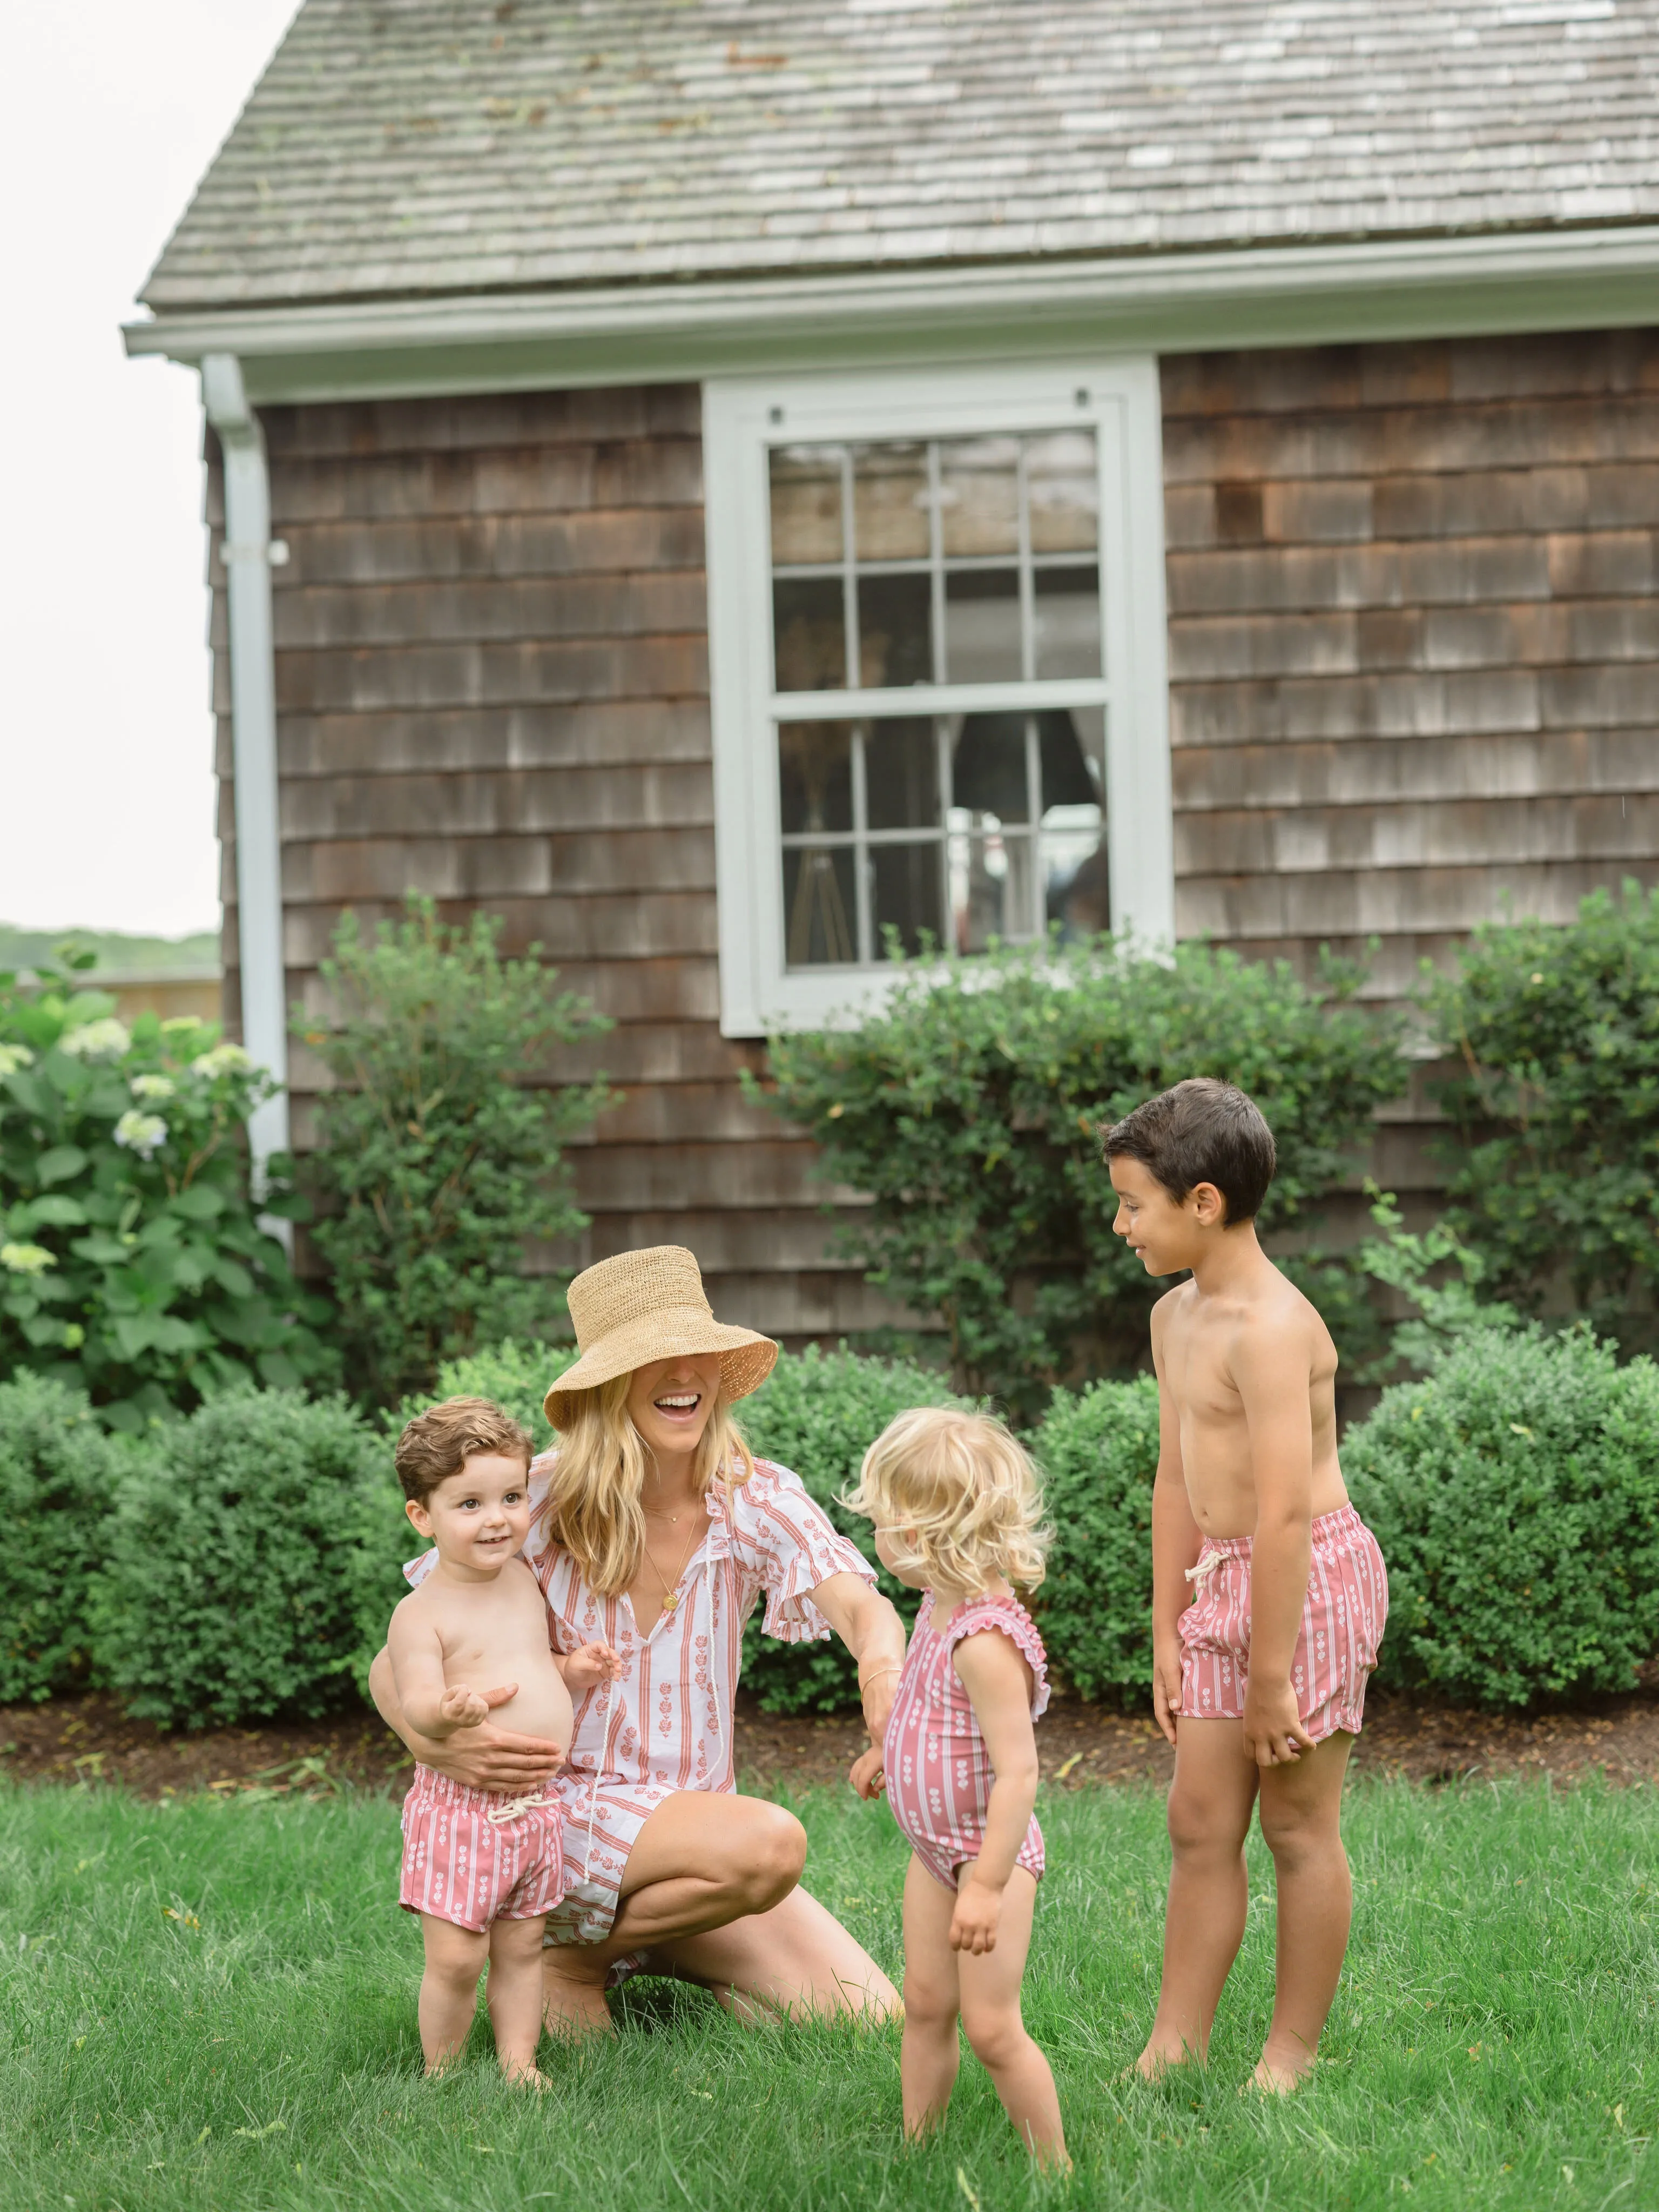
(1342, 1621)
(475, 1856)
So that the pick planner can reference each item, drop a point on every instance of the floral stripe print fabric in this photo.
(1343, 1617)
(938, 1771)
(470, 1858)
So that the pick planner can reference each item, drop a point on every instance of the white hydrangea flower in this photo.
(151, 1090)
(223, 1059)
(141, 1132)
(103, 1039)
(14, 1056)
(26, 1259)
(178, 1025)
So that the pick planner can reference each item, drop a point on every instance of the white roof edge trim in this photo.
(1483, 283)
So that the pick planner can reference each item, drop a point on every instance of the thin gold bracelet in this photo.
(865, 1681)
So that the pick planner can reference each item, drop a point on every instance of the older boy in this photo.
(1269, 1594)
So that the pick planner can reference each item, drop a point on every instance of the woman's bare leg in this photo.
(704, 1859)
(797, 1961)
(1209, 1816)
(1300, 1811)
(996, 2030)
(931, 2052)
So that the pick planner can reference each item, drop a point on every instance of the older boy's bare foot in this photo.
(1159, 2059)
(1278, 2077)
(573, 2004)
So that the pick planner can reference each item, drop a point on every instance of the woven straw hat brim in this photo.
(746, 1357)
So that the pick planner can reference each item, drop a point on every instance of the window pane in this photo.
(1077, 893)
(896, 639)
(1070, 772)
(990, 890)
(1063, 486)
(981, 626)
(1067, 622)
(906, 883)
(979, 496)
(988, 769)
(815, 776)
(820, 930)
(806, 504)
(890, 503)
(901, 770)
(809, 631)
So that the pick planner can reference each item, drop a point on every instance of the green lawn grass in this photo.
(212, 2004)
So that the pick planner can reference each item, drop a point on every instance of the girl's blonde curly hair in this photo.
(958, 1499)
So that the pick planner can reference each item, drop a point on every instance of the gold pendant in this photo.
(670, 1602)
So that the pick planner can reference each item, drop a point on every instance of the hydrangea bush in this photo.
(132, 1266)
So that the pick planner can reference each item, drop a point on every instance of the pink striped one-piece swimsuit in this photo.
(938, 1771)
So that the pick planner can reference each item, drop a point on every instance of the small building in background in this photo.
(730, 487)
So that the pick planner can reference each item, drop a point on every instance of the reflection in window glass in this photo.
(989, 772)
(809, 628)
(891, 508)
(1066, 626)
(815, 776)
(906, 894)
(991, 887)
(806, 505)
(819, 906)
(979, 497)
(983, 626)
(896, 636)
(1063, 492)
(901, 776)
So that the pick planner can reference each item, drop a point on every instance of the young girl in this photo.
(955, 1505)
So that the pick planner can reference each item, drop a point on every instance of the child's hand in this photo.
(1166, 1684)
(1274, 1732)
(979, 1911)
(462, 1707)
(589, 1664)
(868, 1776)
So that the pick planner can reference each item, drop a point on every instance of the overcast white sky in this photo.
(110, 110)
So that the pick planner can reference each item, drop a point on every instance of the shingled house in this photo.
(712, 482)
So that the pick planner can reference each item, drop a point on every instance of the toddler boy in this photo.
(482, 1868)
(1269, 1593)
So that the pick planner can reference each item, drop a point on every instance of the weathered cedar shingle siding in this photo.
(492, 685)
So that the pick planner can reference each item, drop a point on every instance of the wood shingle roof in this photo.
(409, 149)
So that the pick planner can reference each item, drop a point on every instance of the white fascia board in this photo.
(1483, 285)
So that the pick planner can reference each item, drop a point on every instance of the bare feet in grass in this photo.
(527, 2077)
(1159, 2059)
(1279, 2077)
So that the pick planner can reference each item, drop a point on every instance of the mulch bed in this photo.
(89, 1740)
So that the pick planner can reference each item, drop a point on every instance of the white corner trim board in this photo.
(1483, 283)
(247, 553)
(1114, 399)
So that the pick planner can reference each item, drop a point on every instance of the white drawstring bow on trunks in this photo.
(527, 1803)
(1209, 1561)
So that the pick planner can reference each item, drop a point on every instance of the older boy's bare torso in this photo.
(1200, 1342)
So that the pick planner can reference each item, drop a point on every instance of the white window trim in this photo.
(743, 416)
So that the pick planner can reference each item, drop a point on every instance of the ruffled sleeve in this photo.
(1010, 1617)
(786, 1545)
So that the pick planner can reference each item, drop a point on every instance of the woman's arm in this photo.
(872, 1631)
(485, 1757)
(990, 1668)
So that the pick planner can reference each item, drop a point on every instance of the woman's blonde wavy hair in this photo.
(592, 1508)
(958, 1499)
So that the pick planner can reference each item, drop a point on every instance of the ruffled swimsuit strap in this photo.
(1009, 1616)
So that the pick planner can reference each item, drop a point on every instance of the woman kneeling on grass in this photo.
(656, 1530)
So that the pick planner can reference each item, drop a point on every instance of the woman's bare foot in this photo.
(573, 2004)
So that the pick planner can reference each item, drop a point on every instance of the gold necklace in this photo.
(671, 1591)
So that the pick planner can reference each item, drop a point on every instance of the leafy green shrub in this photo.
(1098, 1452)
(58, 1475)
(970, 1111)
(1515, 1492)
(131, 1264)
(1553, 1093)
(1442, 1312)
(517, 1377)
(253, 1563)
(818, 1412)
(437, 1160)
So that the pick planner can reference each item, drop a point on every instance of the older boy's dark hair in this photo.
(438, 1442)
(1201, 1131)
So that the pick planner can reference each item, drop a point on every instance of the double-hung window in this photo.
(936, 618)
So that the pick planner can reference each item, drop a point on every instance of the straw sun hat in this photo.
(649, 1305)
